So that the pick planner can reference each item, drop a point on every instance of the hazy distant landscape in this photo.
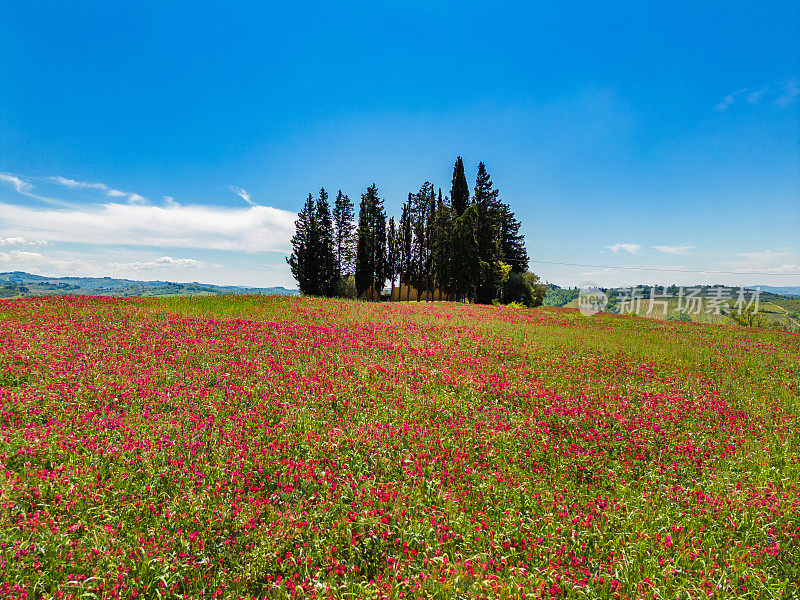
(22, 285)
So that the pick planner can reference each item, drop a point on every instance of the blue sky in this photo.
(176, 140)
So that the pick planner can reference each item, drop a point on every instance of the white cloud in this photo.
(71, 183)
(673, 249)
(630, 248)
(786, 94)
(784, 269)
(754, 97)
(109, 191)
(12, 241)
(21, 260)
(170, 201)
(730, 99)
(18, 241)
(762, 257)
(605, 271)
(159, 263)
(242, 193)
(765, 261)
(20, 185)
(252, 229)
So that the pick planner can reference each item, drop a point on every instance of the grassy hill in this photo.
(775, 310)
(18, 284)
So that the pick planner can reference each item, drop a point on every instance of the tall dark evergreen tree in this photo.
(459, 192)
(441, 247)
(299, 261)
(406, 245)
(487, 229)
(420, 207)
(344, 235)
(466, 261)
(430, 224)
(323, 244)
(512, 242)
(371, 251)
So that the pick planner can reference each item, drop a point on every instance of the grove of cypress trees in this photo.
(462, 249)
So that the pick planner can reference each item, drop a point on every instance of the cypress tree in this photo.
(324, 248)
(441, 245)
(487, 229)
(420, 218)
(430, 217)
(344, 235)
(466, 262)
(512, 242)
(459, 192)
(371, 269)
(299, 260)
(406, 246)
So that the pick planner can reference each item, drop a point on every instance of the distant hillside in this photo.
(19, 284)
(776, 310)
(791, 290)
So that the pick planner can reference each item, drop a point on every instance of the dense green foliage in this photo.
(429, 249)
(560, 296)
(313, 261)
(371, 263)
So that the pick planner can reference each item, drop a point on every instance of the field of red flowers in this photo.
(302, 448)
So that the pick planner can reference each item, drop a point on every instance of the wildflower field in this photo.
(302, 448)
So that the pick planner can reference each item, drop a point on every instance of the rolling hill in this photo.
(20, 284)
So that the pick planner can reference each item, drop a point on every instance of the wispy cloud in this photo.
(783, 94)
(252, 229)
(762, 257)
(630, 248)
(673, 249)
(19, 184)
(242, 193)
(20, 241)
(730, 99)
(605, 271)
(160, 263)
(24, 187)
(754, 97)
(107, 190)
(765, 261)
(790, 93)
